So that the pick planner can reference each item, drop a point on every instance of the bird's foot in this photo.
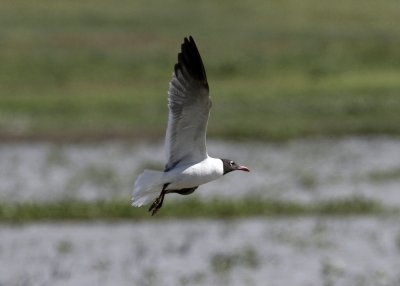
(156, 205)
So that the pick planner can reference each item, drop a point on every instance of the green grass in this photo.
(189, 208)
(385, 176)
(277, 69)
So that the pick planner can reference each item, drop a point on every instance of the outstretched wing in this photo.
(189, 107)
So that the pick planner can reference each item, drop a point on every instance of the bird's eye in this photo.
(231, 163)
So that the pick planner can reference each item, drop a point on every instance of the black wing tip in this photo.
(191, 41)
(190, 58)
(176, 68)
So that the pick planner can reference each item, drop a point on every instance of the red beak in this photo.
(243, 168)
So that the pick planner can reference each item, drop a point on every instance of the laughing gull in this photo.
(188, 164)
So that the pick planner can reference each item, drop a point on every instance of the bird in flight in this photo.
(188, 164)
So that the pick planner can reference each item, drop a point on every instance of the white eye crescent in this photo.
(231, 163)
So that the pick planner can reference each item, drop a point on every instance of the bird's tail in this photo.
(148, 187)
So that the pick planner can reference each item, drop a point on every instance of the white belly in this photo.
(194, 175)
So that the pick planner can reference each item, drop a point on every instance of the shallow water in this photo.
(300, 170)
(297, 251)
(276, 251)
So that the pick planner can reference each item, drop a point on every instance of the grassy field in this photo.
(188, 209)
(277, 70)
(89, 70)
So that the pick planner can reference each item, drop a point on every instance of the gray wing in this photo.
(189, 107)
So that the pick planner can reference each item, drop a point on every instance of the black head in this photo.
(230, 166)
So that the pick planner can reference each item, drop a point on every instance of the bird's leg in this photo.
(157, 204)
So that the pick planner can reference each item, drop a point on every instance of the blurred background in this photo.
(305, 93)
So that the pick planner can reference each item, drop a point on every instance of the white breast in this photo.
(194, 175)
